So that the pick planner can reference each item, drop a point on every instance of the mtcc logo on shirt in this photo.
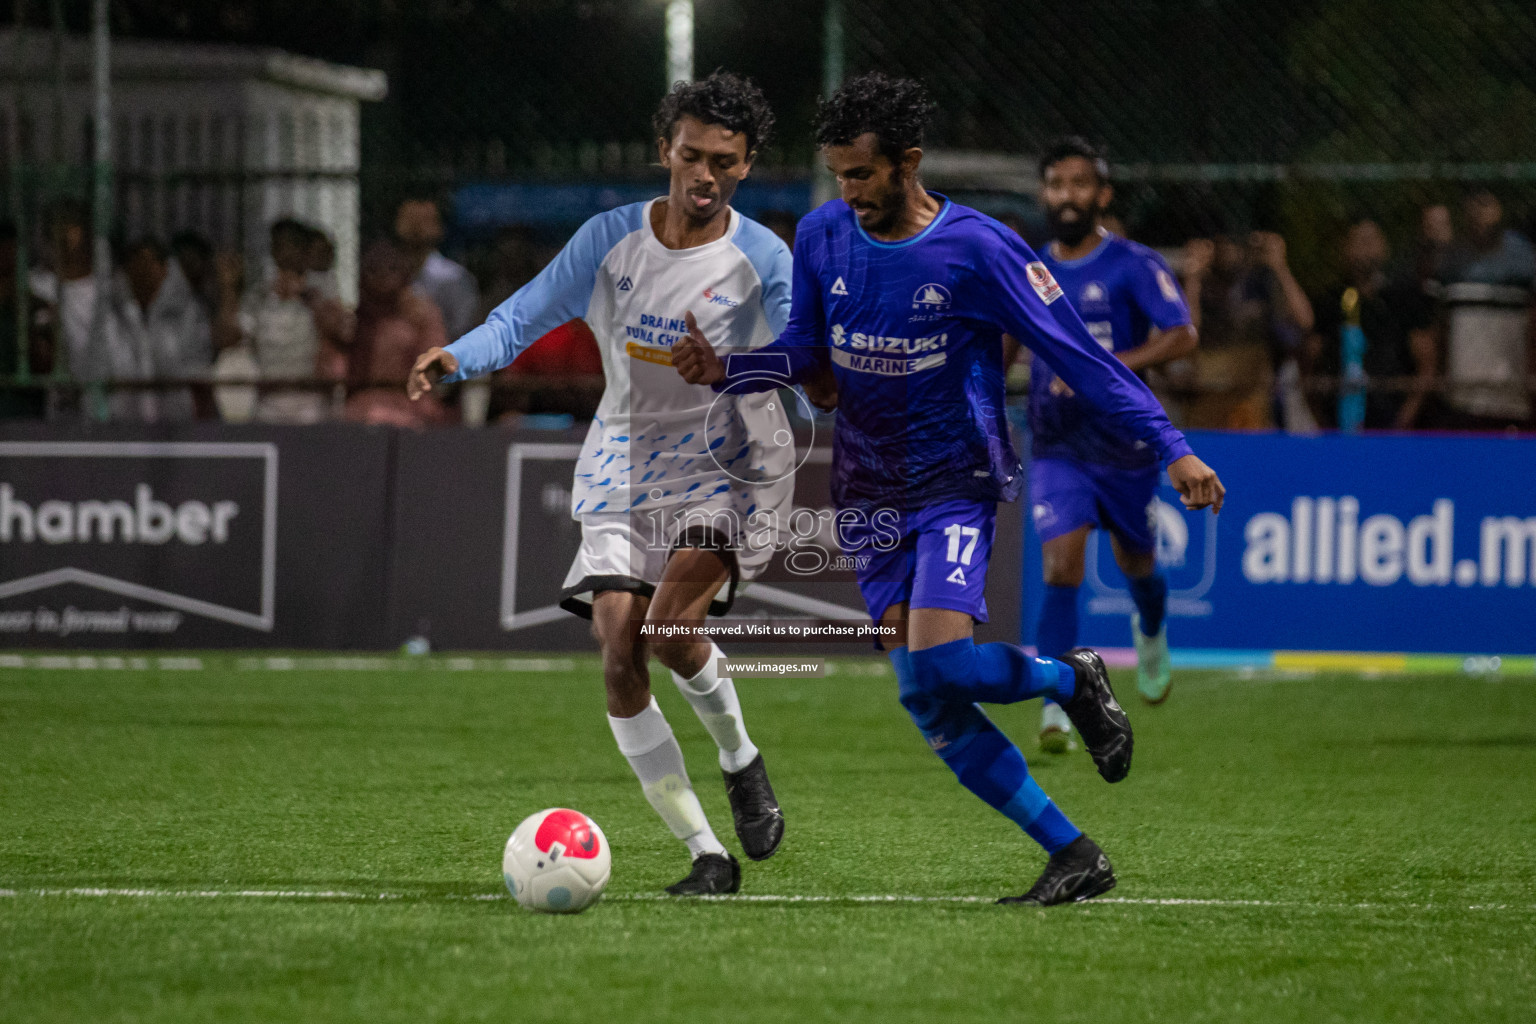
(932, 298)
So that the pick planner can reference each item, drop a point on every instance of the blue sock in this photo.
(984, 760)
(1151, 596)
(1057, 632)
(967, 672)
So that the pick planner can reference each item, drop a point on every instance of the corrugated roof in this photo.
(158, 60)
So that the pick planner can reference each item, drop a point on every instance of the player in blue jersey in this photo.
(1083, 474)
(907, 296)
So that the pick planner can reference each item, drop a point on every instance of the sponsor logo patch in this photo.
(899, 366)
(1043, 283)
(646, 353)
(1166, 286)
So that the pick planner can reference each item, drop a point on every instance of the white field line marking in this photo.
(337, 894)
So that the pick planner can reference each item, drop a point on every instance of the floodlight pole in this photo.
(823, 188)
(679, 42)
(101, 187)
(18, 203)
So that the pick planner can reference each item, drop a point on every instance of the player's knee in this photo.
(1136, 565)
(923, 692)
(926, 711)
(942, 672)
(1062, 572)
(683, 655)
(622, 659)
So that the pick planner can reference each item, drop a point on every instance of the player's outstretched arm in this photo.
(431, 367)
(1198, 485)
(694, 357)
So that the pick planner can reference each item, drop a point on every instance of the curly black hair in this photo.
(1070, 146)
(898, 110)
(728, 100)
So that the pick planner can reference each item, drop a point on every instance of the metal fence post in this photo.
(101, 182)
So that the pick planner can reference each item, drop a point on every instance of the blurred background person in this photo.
(781, 223)
(15, 403)
(396, 323)
(282, 323)
(1435, 237)
(1371, 328)
(160, 317)
(515, 257)
(320, 278)
(419, 231)
(193, 253)
(1484, 284)
(1251, 316)
(67, 286)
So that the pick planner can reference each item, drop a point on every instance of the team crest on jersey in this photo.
(838, 288)
(1043, 283)
(625, 284)
(1166, 286)
(1093, 292)
(931, 298)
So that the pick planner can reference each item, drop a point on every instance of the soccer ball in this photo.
(557, 861)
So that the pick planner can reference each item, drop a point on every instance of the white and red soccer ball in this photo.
(557, 861)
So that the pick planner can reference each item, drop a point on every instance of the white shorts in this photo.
(629, 551)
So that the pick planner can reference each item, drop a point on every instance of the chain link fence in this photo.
(1221, 114)
(1218, 116)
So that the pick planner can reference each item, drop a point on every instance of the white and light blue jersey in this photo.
(657, 440)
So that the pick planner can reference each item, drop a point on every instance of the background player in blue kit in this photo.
(1084, 474)
(906, 296)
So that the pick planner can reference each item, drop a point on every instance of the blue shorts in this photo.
(1067, 494)
(934, 557)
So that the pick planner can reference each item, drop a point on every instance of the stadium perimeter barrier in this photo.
(349, 537)
(341, 536)
(1404, 546)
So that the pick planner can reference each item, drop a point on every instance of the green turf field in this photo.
(1323, 848)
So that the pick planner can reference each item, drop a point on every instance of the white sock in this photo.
(1054, 716)
(647, 743)
(714, 701)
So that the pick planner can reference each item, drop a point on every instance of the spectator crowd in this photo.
(187, 332)
(1440, 338)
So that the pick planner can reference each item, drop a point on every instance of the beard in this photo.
(1071, 232)
(884, 213)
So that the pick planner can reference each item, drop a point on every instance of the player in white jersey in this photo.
(679, 494)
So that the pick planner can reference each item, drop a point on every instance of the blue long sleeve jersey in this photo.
(1121, 290)
(913, 332)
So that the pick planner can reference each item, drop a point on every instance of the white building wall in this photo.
(223, 155)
